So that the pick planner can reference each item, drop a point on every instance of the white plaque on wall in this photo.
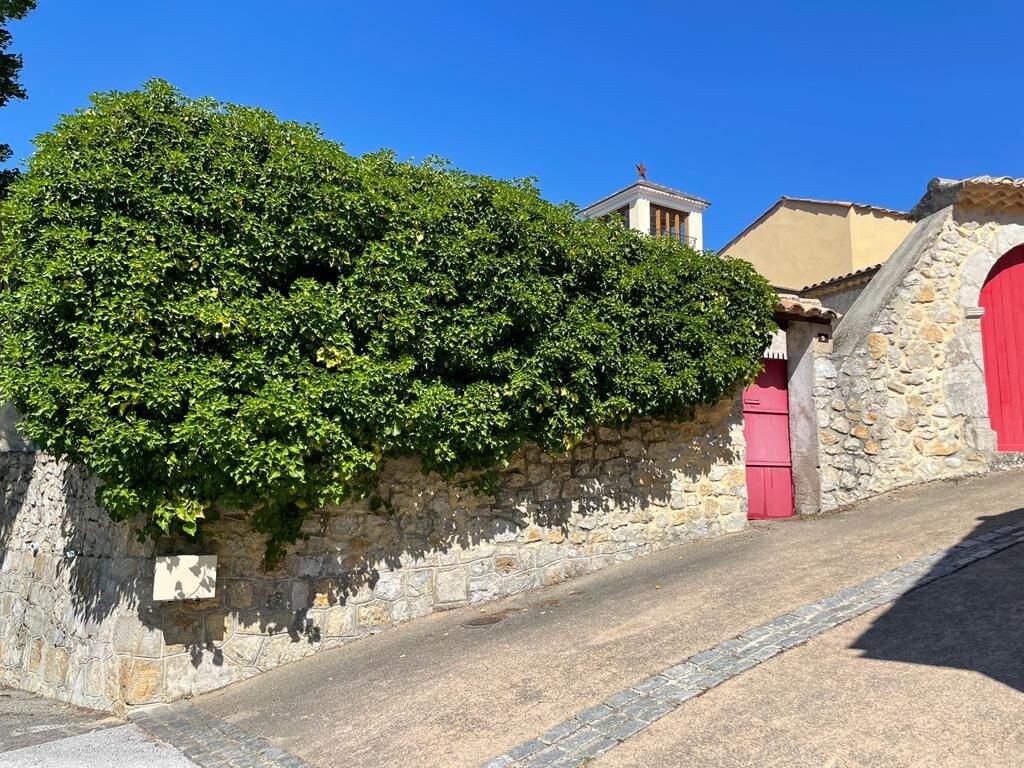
(185, 577)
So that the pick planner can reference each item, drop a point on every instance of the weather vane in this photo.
(642, 170)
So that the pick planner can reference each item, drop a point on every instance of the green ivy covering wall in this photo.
(209, 308)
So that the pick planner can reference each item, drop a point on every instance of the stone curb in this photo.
(604, 726)
(210, 742)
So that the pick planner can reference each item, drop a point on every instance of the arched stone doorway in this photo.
(1002, 337)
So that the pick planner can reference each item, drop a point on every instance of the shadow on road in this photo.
(972, 619)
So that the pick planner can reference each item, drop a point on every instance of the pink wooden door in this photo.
(766, 429)
(1002, 338)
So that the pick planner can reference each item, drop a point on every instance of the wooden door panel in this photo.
(769, 492)
(757, 507)
(768, 394)
(766, 429)
(767, 437)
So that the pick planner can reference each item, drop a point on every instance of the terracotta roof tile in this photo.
(809, 308)
(863, 272)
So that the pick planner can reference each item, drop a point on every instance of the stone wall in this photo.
(902, 399)
(77, 622)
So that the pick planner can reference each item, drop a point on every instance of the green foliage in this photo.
(212, 308)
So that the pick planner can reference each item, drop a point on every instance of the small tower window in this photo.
(666, 222)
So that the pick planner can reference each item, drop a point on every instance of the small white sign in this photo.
(185, 577)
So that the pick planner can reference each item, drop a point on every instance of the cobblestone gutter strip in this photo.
(598, 729)
(210, 742)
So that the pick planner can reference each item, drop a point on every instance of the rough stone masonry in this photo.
(77, 621)
(902, 399)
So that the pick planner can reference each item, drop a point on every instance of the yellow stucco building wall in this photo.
(798, 242)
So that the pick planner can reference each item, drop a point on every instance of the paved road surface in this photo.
(438, 693)
(932, 676)
(933, 680)
(39, 733)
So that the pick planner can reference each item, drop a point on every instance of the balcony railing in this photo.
(690, 241)
(666, 222)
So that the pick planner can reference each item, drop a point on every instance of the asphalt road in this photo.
(41, 733)
(437, 692)
(124, 746)
(935, 679)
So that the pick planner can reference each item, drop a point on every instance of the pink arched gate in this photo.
(1002, 336)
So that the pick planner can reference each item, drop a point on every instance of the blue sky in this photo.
(737, 102)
